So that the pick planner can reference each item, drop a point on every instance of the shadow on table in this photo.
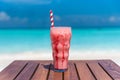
(48, 66)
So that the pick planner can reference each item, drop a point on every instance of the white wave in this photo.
(6, 59)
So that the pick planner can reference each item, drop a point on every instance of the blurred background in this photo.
(34, 14)
(25, 28)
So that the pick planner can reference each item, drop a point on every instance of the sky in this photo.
(75, 13)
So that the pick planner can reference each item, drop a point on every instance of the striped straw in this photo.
(51, 18)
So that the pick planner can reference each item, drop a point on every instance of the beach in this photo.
(6, 59)
(86, 44)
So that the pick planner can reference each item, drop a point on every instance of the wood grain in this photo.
(72, 72)
(84, 71)
(42, 71)
(77, 70)
(57, 76)
(67, 74)
(54, 75)
(28, 71)
(10, 72)
(111, 68)
(99, 73)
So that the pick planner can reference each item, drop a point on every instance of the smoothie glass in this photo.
(60, 39)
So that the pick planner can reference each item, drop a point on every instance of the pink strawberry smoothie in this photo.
(60, 37)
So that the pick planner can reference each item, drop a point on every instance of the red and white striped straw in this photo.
(51, 18)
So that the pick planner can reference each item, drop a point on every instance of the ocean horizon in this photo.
(35, 39)
(35, 44)
(48, 27)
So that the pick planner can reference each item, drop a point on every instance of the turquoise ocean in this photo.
(91, 43)
(18, 41)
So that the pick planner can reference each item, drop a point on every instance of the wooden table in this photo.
(77, 70)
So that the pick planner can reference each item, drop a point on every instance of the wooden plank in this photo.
(42, 71)
(67, 74)
(11, 71)
(54, 75)
(50, 76)
(57, 76)
(111, 68)
(28, 71)
(98, 72)
(84, 71)
(77, 70)
(72, 72)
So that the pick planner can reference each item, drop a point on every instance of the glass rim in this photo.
(61, 27)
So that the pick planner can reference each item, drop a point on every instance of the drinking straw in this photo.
(51, 18)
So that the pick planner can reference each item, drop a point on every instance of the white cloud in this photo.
(4, 16)
(20, 20)
(112, 19)
(93, 19)
(29, 1)
(84, 19)
(57, 18)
